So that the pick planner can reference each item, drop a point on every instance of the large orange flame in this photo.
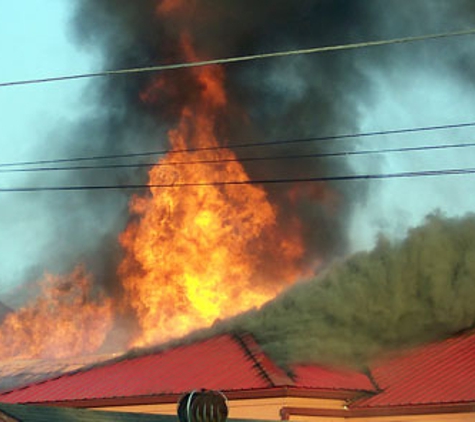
(63, 321)
(193, 253)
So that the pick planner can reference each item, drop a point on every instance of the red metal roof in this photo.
(227, 363)
(312, 376)
(15, 373)
(222, 363)
(438, 373)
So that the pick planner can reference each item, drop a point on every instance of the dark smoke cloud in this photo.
(397, 295)
(273, 100)
(282, 98)
(276, 99)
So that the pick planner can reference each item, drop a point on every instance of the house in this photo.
(434, 382)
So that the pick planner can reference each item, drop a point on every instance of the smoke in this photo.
(280, 99)
(416, 85)
(284, 98)
(400, 293)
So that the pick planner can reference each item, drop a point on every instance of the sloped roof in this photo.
(435, 374)
(223, 363)
(439, 373)
(24, 413)
(15, 373)
(229, 363)
(313, 376)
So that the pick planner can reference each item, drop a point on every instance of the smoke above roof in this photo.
(399, 294)
(304, 96)
(288, 98)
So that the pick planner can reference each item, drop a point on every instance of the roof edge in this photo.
(432, 409)
(260, 393)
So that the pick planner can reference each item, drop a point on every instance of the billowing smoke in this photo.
(275, 100)
(399, 294)
(279, 99)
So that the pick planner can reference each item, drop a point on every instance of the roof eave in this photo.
(265, 393)
(406, 410)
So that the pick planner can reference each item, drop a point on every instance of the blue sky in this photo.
(35, 42)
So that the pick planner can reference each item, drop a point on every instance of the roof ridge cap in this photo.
(369, 374)
(273, 373)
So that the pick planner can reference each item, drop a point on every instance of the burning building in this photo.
(202, 241)
(433, 382)
(218, 227)
(202, 235)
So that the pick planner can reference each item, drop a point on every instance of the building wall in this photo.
(257, 409)
(269, 409)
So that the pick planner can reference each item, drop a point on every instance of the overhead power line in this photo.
(243, 145)
(247, 58)
(244, 159)
(344, 178)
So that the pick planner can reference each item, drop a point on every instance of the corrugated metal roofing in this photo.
(221, 363)
(438, 373)
(15, 373)
(312, 376)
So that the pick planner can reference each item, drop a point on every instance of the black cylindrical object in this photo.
(203, 406)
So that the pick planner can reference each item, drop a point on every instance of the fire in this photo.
(63, 321)
(194, 254)
(166, 7)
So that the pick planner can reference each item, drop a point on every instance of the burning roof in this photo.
(191, 251)
(226, 363)
(15, 373)
(436, 374)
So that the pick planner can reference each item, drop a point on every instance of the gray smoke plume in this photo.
(314, 95)
(399, 294)
(279, 99)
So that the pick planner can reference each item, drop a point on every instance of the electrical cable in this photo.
(244, 159)
(246, 58)
(245, 145)
(353, 177)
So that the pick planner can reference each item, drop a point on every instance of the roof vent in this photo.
(203, 406)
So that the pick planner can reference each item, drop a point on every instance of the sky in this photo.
(33, 45)
(415, 97)
(37, 42)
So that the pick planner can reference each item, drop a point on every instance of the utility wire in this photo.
(244, 145)
(247, 58)
(244, 159)
(354, 177)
